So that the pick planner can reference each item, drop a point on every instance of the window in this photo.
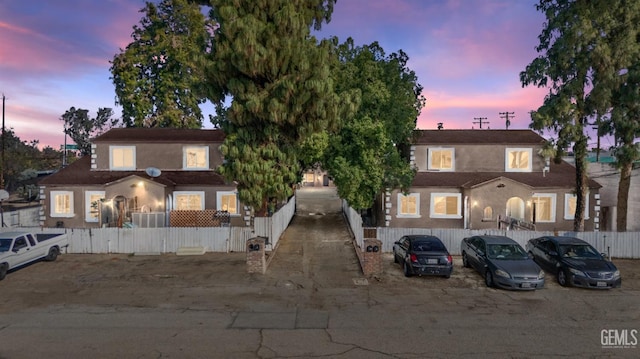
(570, 204)
(441, 159)
(61, 204)
(122, 158)
(487, 214)
(544, 207)
(309, 177)
(515, 208)
(195, 158)
(184, 201)
(409, 205)
(446, 205)
(518, 160)
(92, 205)
(227, 201)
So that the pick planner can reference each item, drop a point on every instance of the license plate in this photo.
(601, 284)
(526, 285)
(432, 261)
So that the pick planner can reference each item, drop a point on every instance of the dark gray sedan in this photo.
(502, 262)
(422, 255)
(574, 262)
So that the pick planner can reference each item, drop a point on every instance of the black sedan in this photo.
(422, 255)
(502, 262)
(574, 262)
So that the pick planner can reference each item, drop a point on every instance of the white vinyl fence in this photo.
(273, 227)
(615, 244)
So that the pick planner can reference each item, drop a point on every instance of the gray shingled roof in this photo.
(488, 137)
(168, 135)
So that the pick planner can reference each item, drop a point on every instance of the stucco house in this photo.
(481, 179)
(143, 177)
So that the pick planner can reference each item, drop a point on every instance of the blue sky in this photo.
(467, 55)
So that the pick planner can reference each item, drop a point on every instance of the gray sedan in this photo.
(502, 262)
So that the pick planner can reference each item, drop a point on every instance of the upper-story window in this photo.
(441, 159)
(122, 158)
(518, 159)
(195, 158)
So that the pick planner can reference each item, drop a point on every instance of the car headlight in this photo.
(577, 272)
(616, 274)
(502, 273)
(541, 274)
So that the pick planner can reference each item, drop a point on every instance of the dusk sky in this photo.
(467, 55)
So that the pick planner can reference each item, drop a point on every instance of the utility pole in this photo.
(3, 138)
(479, 120)
(506, 115)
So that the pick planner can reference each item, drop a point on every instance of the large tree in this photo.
(157, 77)
(369, 152)
(571, 48)
(81, 128)
(277, 77)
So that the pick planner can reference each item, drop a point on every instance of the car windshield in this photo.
(506, 251)
(4, 244)
(427, 245)
(578, 251)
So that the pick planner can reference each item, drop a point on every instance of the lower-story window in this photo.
(185, 201)
(227, 201)
(92, 205)
(62, 204)
(544, 209)
(446, 205)
(409, 205)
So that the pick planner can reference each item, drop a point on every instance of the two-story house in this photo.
(481, 179)
(143, 177)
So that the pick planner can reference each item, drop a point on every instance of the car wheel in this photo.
(488, 278)
(563, 279)
(53, 254)
(395, 258)
(3, 271)
(406, 270)
(465, 260)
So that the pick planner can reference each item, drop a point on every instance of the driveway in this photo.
(312, 302)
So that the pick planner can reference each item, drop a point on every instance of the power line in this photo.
(479, 120)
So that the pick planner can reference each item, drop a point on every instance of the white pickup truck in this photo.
(20, 248)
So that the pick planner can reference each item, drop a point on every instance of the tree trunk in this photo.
(580, 153)
(623, 196)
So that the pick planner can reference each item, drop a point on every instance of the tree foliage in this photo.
(577, 64)
(369, 152)
(157, 77)
(81, 128)
(278, 78)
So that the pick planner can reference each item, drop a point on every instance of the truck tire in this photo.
(53, 254)
(3, 270)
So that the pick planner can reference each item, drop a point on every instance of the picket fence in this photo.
(614, 244)
(170, 239)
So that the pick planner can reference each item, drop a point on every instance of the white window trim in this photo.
(87, 205)
(453, 159)
(52, 202)
(219, 195)
(506, 159)
(187, 193)
(553, 206)
(432, 211)
(567, 197)
(112, 167)
(408, 215)
(184, 158)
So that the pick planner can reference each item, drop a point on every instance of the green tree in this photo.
(157, 77)
(369, 152)
(278, 78)
(18, 156)
(81, 128)
(572, 64)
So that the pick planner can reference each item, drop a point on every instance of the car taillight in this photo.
(413, 257)
(449, 259)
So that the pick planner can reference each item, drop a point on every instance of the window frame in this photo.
(219, 195)
(53, 201)
(508, 150)
(112, 167)
(87, 206)
(400, 197)
(553, 207)
(432, 212)
(430, 166)
(185, 161)
(201, 194)
(567, 198)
